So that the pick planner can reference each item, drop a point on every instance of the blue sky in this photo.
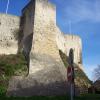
(84, 16)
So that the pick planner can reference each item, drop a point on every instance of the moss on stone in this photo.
(64, 58)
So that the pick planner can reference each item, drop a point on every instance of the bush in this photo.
(2, 90)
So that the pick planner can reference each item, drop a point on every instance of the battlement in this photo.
(72, 36)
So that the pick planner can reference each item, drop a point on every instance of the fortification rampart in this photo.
(9, 25)
(67, 42)
(42, 42)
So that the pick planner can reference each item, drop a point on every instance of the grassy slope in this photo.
(81, 79)
(11, 65)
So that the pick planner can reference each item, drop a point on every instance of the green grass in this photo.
(36, 98)
(82, 97)
(11, 65)
(88, 97)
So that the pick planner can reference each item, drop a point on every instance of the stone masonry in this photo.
(9, 24)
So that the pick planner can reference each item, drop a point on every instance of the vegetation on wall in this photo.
(64, 58)
(81, 80)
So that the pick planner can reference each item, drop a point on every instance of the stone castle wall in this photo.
(60, 39)
(67, 42)
(9, 25)
(41, 35)
(41, 43)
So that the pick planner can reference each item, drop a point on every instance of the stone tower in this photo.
(74, 42)
(39, 29)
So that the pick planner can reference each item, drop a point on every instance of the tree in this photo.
(97, 73)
